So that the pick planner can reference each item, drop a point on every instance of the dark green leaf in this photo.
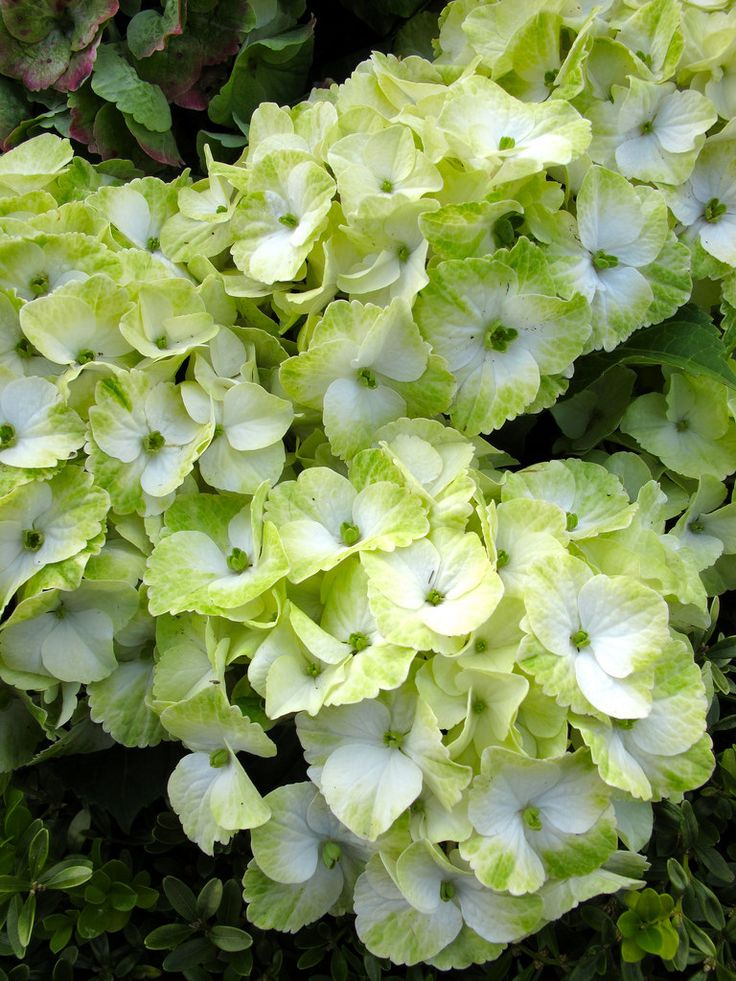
(148, 31)
(209, 899)
(699, 938)
(189, 954)
(168, 936)
(181, 898)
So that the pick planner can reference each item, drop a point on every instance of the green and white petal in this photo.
(391, 927)
(213, 802)
(289, 906)
(37, 429)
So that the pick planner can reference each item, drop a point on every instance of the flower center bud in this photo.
(349, 533)
(506, 143)
(550, 77)
(331, 853)
(434, 597)
(682, 425)
(714, 210)
(478, 707)
(571, 521)
(60, 611)
(386, 186)
(237, 560)
(531, 818)
(39, 284)
(219, 758)
(313, 669)
(580, 639)
(497, 337)
(7, 436)
(25, 349)
(624, 723)
(366, 377)
(696, 527)
(162, 342)
(85, 356)
(447, 891)
(153, 442)
(602, 260)
(647, 127)
(502, 558)
(32, 539)
(291, 221)
(481, 645)
(403, 253)
(219, 430)
(153, 244)
(358, 642)
(393, 739)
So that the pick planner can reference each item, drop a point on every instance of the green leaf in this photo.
(230, 938)
(189, 954)
(690, 345)
(699, 938)
(116, 81)
(67, 874)
(270, 69)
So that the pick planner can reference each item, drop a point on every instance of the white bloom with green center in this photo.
(35, 267)
(621, 231)
(348, 635)
(385, 167)
(434, 461)
(306, 862)
(37, 428)
(138, 211)
(651, 131)
(365, 367)
(382, 253)
(169, 318)
(501, 329)
(280, 218)
(523, 531)
(690, 427)
(322, 519)
(79, 323)
(47, 522)
(593, 636)
(60, 636)
(17, 355)
(142, 440)
(433, 593)
(216, 555)
(291, 671)
(370, 760)
(488, 129)
(706, 529)
(592, 499)
(537, 819)
(246, 446)
(209, 789)
(476, 705)
(666, 753)
(706, 204)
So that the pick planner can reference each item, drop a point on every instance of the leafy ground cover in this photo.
(372, 496)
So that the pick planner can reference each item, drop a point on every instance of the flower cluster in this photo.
(244, 485)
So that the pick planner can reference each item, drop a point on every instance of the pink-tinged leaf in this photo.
(84, 106)
(176, 69)
(222, 30)
(150, 31)
(37, 67)
(88, 16)
(80, 67)
(161, 147)
(30, 21)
